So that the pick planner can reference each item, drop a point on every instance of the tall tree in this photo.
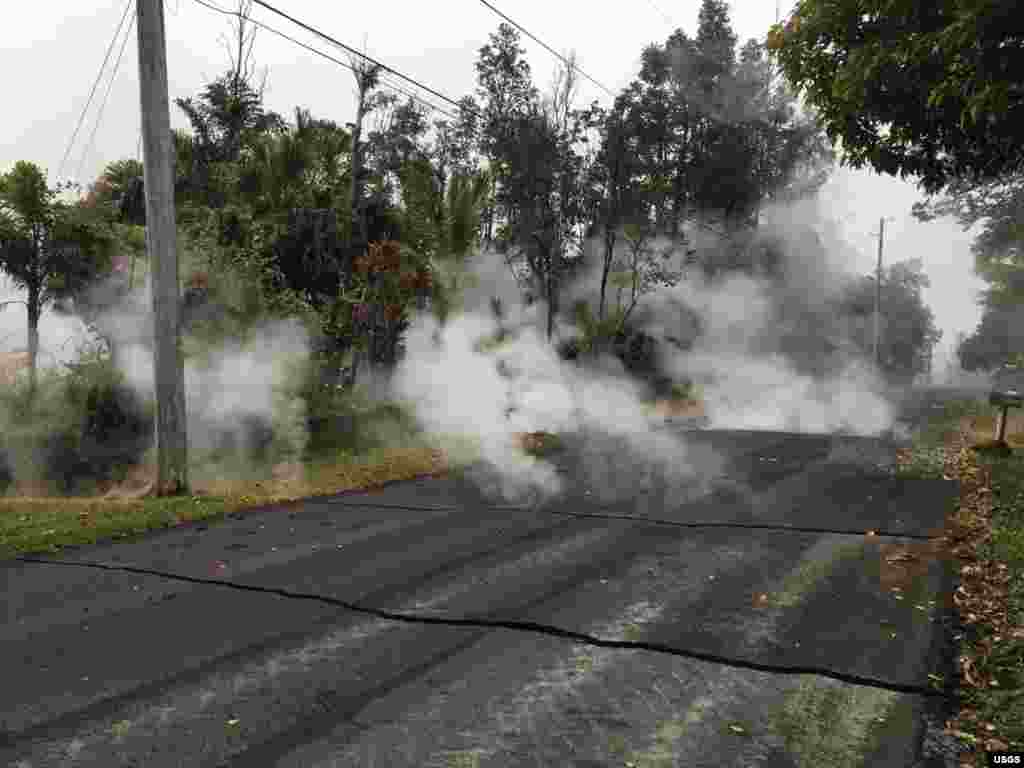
(48, 247)
(507, 94)
(611, 182)
(924, 88)
(367, 79)
(997, 207)
(226, 117)
(909, 332)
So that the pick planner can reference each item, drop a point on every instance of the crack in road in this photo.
(880, 533)
(521, 626)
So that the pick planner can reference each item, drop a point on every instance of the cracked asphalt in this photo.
(758, 622)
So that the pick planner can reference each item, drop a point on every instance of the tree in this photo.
(924, 88)
(908, 324)
(226, 118)
(455, 147)
(50, 249)
(611, 183)
(507, 94)
(998, 249)
(996, 339)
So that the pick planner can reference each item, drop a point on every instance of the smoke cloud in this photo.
(762, 352)
(241, 393)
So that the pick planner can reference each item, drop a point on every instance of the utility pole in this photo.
(878, 294)
(162, 246)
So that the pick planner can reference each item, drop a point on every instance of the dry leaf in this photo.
(900, 557)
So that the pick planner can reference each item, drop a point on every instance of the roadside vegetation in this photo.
(985, 534)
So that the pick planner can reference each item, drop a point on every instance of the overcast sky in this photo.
(50, 55)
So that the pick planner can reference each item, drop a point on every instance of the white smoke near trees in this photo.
(744, 354)
(241, 392)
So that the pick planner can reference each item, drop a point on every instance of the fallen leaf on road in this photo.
(120, 728)
(900, 557)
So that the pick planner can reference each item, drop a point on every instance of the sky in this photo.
(59, 47)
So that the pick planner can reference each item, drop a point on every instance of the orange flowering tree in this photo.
(387, 281)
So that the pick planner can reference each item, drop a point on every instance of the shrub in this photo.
(83, 426)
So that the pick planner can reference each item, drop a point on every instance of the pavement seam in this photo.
(673, 523)
(522, 626)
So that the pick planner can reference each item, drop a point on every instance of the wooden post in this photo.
(878, 295)
(162, 245)
(1001, 424)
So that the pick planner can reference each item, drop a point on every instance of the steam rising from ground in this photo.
(744, 388)
(738, 359)
(235, 390)
(240, 393)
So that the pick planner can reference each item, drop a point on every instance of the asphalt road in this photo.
(757, 623)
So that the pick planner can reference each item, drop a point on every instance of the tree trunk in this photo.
(34, 311)
(355, 188)
(609, 253)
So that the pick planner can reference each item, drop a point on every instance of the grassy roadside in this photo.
(986, 535)
(47, 524)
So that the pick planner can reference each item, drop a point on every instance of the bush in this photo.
(345, 420)
(82, 427)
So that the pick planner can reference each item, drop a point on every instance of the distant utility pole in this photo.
(162, 246)
(878, 295)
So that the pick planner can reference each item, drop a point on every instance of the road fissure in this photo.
(521, 626)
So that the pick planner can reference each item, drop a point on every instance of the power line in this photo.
(352, 50)
(668, 20)
(299, 43)
(545, 45)
(106, 95)
(96, 82)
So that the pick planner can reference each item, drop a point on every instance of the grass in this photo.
(799, 583)
(987, 535)
(833, 725)
(47, 524)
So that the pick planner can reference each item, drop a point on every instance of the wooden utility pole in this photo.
(878, 294)
(162, 246)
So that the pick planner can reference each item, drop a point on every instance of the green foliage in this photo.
(914, 87)
(82, 426)
(908, 324)
(997, 207)
(50, 248)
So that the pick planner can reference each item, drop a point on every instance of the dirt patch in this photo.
(137, 485)
(537, 443)
(905, 565)
(678, 409)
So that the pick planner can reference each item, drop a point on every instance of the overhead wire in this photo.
(330, 58)
(106, 95)
(540, 42)
(353, 51)
(92, 93)
(667, 19)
